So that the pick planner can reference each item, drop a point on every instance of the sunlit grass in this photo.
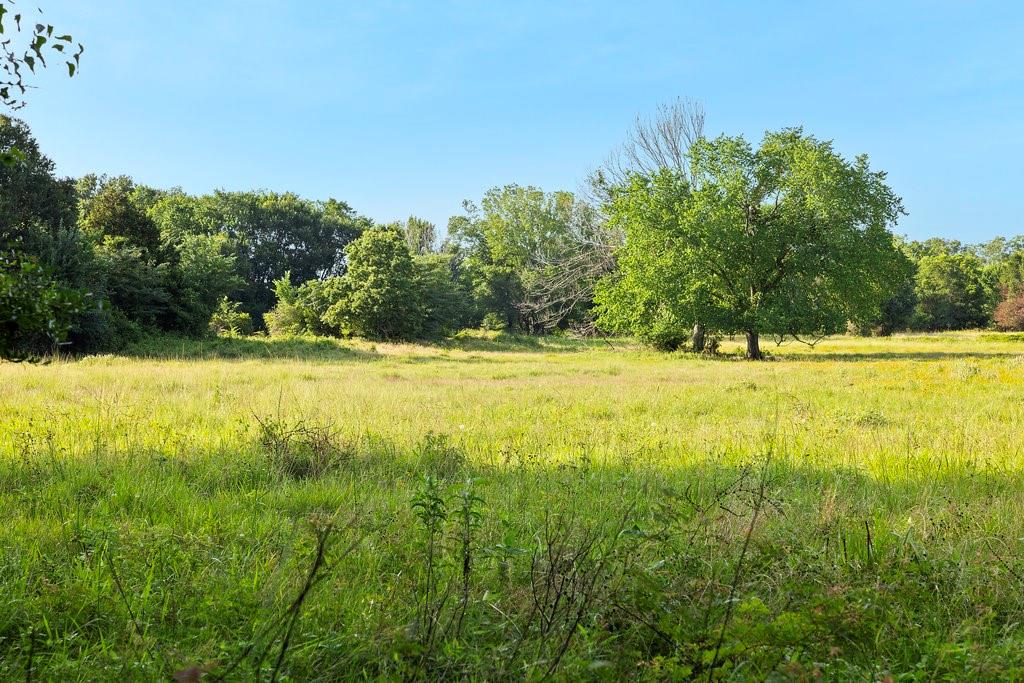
(875, 404)
(152, 463)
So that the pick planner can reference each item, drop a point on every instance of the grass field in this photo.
(508, 508)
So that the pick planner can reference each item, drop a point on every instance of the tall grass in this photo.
(506, 509)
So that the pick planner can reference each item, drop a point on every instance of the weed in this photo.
(438, 457)
(300, 449)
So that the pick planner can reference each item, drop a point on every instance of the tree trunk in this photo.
(698, 338)
(753, 346)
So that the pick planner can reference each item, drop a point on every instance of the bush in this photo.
(446, 304)
(135, 284)
(951, 293)
(285, 318)
(35, 311)
(102, 329)
(1009, 314)
(896, 313)
(666, 332)
(300, 310)
(385, 294)
(301, 449)
(229, 318)
(494, 322)
(205, 275)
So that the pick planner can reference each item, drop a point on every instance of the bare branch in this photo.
(565, 281)
(653, 143)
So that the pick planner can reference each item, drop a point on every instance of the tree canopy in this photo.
(511, 244)
(787, 239)
(677, 233)
(377, 295)
(32, 193)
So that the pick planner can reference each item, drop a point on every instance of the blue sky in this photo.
(410, 107)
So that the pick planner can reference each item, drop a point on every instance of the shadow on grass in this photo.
(476, 340)
(854, 357)
(811, 557)
(325, 349)
(246, 348)
(328, 349)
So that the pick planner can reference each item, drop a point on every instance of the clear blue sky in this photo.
(409, 107)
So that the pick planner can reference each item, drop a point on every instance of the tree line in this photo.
(678, 238)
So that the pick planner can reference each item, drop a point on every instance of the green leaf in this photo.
(11, 157)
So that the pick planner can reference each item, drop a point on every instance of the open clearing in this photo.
(853, 510)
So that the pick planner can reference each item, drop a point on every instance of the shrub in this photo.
(135, 283)
(439, 457)
(494, 322)
(445, 301)
(300, 449)
(35, 311)
(896, 313)
(229, 318)
(285, 318)
(666, 332)
(300, 310)
(1009, 314)
(951, 293)
(205, 276)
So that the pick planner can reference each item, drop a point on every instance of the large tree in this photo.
(277, 233)
(30, 192)
(653, 143)
(109, 207)
(785, 239)
(952, 292)
(443, 293)
(272, 234)
(377, 295)
(509, 243)
(420, 235)
(45, 262)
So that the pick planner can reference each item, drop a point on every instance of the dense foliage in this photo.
(787, 239)
(510, 244)
(956, 286)
(385, 293)
(377, 294)
(35, 311)
(155, 260)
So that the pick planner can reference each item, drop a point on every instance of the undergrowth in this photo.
(438, 569)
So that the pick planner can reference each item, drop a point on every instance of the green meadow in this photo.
(499, 507)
